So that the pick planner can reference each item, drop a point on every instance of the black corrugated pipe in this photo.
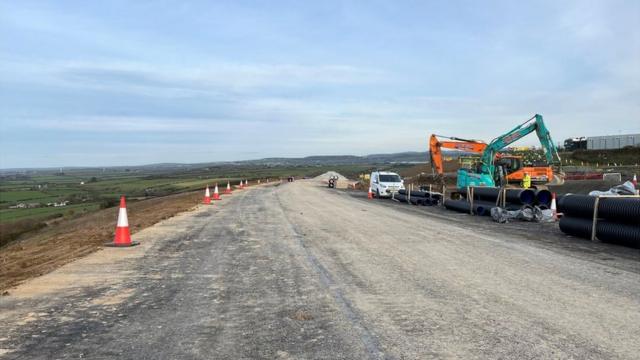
(543, 197)
(610, 208)
(458, 205)
(481, 208)
(432, 201)
(421, 193)
(400, 197)
(517, 196)
(607, 231)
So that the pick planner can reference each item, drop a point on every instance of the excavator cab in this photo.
(469, 162)
(510, 163)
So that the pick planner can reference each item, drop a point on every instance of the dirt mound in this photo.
(329, 174)
(342, 183)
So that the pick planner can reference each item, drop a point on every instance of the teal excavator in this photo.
(488, 174)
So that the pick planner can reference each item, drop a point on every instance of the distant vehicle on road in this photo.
(385, 183)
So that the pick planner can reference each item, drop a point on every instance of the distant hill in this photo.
(404, 157)
(410, 157)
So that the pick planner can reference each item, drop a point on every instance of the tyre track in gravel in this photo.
(226, 282)
(368, 338)
(457, 292)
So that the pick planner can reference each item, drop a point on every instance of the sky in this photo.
(88, 83)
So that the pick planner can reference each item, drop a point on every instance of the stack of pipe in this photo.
(425, 198)
(400, 197)
(482, 208)
(618, 219)
(486, 198)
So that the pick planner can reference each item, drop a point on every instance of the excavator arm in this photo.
(536, 124)
(435, 149)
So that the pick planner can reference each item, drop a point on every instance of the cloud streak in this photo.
(225, 81)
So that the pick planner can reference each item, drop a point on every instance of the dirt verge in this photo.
(47, 249)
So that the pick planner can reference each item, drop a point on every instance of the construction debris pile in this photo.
(628, 188)
(335, 180)
(615, 219)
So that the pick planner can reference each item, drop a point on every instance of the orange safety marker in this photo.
(123, 236)
(207, 196)
(216, 194)
(370, 193)
(228, 189)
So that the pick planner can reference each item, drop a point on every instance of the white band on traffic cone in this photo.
(123, 221)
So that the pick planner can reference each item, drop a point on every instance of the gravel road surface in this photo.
(299, 271)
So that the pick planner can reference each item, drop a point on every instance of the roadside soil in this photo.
(44, 250)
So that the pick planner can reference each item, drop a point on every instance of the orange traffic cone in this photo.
(228, 189)
(207, 196)
(241, 186)
(123, 237)
(554, 209)
(370, 193)
(216, 194)
(635, 180)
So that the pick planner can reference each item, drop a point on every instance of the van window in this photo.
(390, 178)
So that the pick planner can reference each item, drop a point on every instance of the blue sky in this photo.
(87, 83)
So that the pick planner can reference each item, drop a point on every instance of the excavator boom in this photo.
(536, 124)
(435, 146)
(486, 177)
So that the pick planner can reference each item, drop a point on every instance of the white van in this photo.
(384, 183)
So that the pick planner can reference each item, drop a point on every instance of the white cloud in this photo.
(168, 81)
(124, 124)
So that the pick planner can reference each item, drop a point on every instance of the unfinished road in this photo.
(298, 271)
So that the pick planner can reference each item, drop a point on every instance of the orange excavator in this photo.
(512, 165)
(435, 150)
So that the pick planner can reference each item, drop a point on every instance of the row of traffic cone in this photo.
(122, 237)
(216, 194)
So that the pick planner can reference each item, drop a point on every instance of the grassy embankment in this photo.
(89, 190)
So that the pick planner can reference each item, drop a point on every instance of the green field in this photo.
(10, 215)
(91, 189)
